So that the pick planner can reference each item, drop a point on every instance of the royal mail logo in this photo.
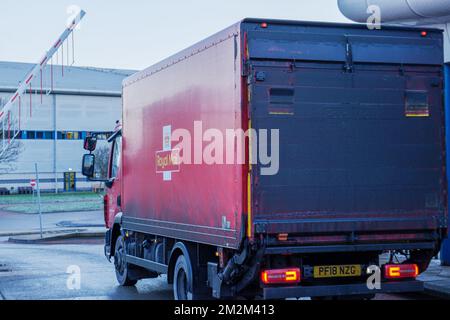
(167, 160)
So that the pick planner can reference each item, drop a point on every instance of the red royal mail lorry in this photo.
(344, 195)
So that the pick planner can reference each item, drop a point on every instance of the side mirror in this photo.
(90, 143)
(88, 165)
(109, 183)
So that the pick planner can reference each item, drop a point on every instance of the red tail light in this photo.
(401, 271)
(281, 276)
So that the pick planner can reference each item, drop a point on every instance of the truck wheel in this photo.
(122, 268)
(182, 280)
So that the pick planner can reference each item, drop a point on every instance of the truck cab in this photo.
(112, 182)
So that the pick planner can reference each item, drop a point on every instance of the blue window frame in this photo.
(60, 135)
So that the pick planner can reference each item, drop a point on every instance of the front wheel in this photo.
(121, 266)
(182, 280)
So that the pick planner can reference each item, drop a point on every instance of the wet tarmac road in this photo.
(39, 272)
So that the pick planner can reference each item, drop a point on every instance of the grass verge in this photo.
(64, 202)
(50, 198)
(56, 207)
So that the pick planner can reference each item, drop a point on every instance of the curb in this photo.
(45, 231)
(20, 233)
(62, 236)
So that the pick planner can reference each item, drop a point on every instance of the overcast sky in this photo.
(135, 34)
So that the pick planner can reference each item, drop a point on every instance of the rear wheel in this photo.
(182, 280)
(121, 266)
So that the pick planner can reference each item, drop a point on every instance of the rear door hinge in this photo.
(348, 67)
(246, 68)
(402, 70)
(261, 227)
(260, 76)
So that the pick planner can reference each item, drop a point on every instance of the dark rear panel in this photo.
(360, 115)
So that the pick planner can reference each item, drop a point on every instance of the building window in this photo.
(71, 135)
(104, 135)
(61, 135)
(48, 135)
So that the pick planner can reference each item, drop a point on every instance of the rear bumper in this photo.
(350, 248)
(341, 290)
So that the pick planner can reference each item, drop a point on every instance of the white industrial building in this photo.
(84, 100)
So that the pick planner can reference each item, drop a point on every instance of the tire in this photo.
(122, 268)
(182, 280)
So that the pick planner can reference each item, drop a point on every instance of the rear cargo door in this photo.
(360, 150)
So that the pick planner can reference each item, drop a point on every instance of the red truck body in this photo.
(361, 162)
(175, 93)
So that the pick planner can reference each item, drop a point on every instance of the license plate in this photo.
(337, 271)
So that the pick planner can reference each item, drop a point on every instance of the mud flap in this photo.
(215, 283)
(107, 246)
